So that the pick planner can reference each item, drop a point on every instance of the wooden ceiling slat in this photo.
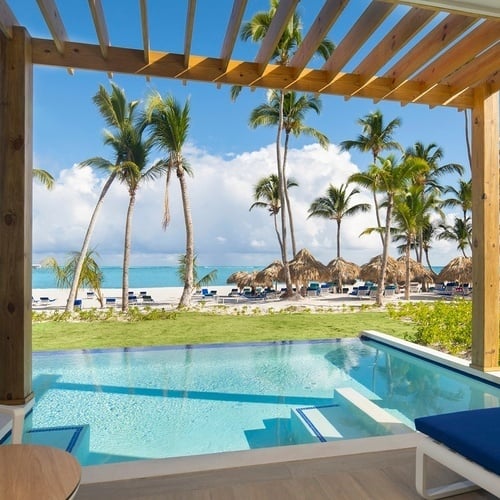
(448, 30)
(457, 55)
(7, 19)
(409, 26)
(145, 30)
(369, 21)
(484, 8)
(100, 25)
(284, 13)
(232, 31)
(53, 19)
(188, 38)
(317, 33)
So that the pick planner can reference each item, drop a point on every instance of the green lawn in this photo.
(196, 328)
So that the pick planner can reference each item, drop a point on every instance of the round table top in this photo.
(34, 472)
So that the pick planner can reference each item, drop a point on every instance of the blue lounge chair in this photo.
(467, 442)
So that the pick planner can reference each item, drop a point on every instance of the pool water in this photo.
(130, 404)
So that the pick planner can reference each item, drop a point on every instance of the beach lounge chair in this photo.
(78, 303)
(110, 301)
(147, 299)
(46, 300)
(466, 442)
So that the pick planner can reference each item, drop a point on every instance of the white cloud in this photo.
(221, 193)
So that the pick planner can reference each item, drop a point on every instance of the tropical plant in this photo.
(255, 30)
(205, 280)
(336, 205)
(169, 125)
(460, 232)
(43, 177)
(266, 195)
(294, 109)
(393, 177)
(119, 115)
(461, 197)
(376, 137)
(90, 274)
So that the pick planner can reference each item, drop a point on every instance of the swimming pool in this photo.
(127, 404)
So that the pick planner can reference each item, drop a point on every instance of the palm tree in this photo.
(376, 137)
(393, 177)
(294, 109)
(461, 197)
(90, 273)
(119, 115)
(169, 124)
(411, 216)
(207, 279)
(267, 189)
(45, 178)
(460, 232)
(336, 205)
(255, 30)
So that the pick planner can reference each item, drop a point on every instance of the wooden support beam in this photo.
(16, 145)
(485, 230)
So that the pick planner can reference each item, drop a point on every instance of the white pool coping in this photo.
(226, 460)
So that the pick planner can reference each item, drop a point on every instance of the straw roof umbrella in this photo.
(417, 271)
(270, 273)
(236, 277)
(342, 271)
(458, 269)
(305, 267)
(370, 271)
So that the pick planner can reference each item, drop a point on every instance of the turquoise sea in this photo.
(147, 276)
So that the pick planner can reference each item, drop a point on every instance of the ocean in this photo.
(146, 276)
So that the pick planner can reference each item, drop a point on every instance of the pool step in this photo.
(373, 416)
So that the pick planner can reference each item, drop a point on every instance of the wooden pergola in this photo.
(439, 53)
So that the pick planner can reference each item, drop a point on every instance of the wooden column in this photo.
(16, 131)
(485, 231)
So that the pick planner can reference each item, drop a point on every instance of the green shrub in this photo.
(442, 324)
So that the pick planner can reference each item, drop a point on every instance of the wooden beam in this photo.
(16, 144)
(364, 27)
(486, 8)
(205, 69)
(233, 28)
(53, 19)
(459, 54)
(284, 12)
(485, 230)
(100, 25)
(188, 37)
(317, 33)
(7, 19)
(448, 30)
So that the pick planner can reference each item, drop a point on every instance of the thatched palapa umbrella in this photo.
(371, 270)
(417, 271)
(243, 279)
(342, 271)
(270, 273)
(458, 269)
(305, 267)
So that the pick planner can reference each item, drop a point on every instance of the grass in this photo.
(201, 328)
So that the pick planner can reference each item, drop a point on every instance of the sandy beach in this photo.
(222, 301)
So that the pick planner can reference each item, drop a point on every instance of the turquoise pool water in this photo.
(127, 404)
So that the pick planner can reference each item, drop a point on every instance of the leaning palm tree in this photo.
(266, 195)
(394, 177)
(376, 137)
(118, 114)
(256, 30)
(294, 109)
(336, 205)
(169, 125)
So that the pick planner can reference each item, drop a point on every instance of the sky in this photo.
(227, 157)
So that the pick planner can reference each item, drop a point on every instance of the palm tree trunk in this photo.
(86, 243)
(126, 250)
(281, 181)
(185, 300)
(287, 197)
(385, 252)
(407, 272)
(338, 239)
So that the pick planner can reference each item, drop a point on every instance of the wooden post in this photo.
(485, 231)
(16, 132)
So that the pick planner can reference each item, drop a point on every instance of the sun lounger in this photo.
(46, 300)
(466, 442)
(110, 301)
